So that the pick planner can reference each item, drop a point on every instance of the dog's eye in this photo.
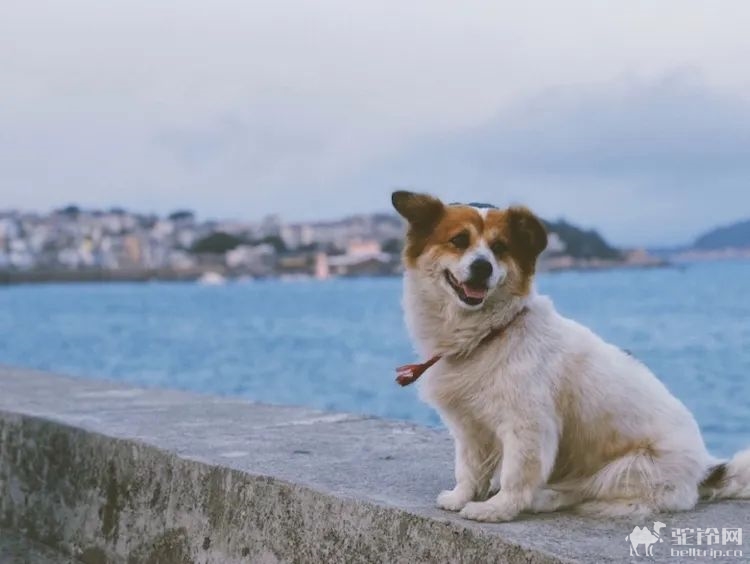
(498, 247)
(461, 241)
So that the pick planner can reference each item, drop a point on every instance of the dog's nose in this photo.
(480, 271)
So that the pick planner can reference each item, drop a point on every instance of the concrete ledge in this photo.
(106, 473)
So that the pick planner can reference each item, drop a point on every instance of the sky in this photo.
(629, 117)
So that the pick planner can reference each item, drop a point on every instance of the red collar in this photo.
(409, 373)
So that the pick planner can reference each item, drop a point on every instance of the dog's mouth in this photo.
(470, 295)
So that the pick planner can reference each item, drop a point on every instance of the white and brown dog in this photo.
(538, 405)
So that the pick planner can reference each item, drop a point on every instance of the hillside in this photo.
(582, 244)
(735, 236)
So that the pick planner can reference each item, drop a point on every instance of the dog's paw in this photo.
(489, 511)
(548, 500)
(453, 500)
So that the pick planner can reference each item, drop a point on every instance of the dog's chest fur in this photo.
(466, 384)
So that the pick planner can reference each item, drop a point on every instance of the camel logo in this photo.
(646, 537)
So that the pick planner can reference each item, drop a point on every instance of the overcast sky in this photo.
(632, 117)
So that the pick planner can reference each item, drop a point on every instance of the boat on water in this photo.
(212, 279)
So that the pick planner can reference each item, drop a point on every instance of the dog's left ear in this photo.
(422, 211)
(528, 236)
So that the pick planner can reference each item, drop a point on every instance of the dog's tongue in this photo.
(477, 293)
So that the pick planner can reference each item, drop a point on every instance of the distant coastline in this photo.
(78, 276)
(197, 274)
(76, 245)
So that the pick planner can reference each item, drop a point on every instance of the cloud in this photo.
(646, 161)
(242, 107)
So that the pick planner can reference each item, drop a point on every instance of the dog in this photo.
(537, 404)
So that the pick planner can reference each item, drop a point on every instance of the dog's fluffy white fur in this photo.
(547, 412)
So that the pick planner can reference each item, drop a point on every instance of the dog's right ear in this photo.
(422, 211)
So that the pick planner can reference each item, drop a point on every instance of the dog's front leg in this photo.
(477, 457)
(528, 457)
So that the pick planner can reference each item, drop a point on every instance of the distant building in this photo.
(301, 263)
(132, 253)
(337, 234)
(360, 248)
(181, 261)
(258, 260)
(322, 267)
(297, 235)
(346, 265)
(363, 258)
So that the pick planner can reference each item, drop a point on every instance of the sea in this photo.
(334, 344)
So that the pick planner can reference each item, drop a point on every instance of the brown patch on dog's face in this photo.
(517, 237)
(527, 236)
(455, 221)
(443, 235)
(422, 211)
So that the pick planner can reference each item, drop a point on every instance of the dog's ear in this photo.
(422, 211)
(528, 236)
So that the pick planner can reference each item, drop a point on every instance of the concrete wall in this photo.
(106, 473)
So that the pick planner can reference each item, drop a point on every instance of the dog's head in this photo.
(476, 255)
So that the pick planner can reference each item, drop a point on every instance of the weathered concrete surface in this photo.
(15, 549)
(107, 473)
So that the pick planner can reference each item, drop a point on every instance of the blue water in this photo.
(333, 345)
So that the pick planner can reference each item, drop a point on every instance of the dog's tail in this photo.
(728, 480)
